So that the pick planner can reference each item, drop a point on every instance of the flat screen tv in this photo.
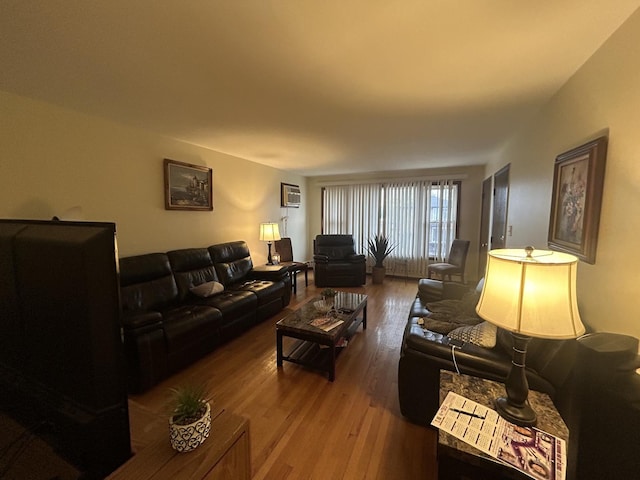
(62, 370)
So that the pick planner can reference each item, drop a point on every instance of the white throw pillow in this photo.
(207, 289)
(483, 334)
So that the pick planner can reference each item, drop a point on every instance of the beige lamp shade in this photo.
(531, 292)
(269, 232)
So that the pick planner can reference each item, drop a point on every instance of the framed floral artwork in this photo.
(578, 180)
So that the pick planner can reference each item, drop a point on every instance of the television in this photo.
(62, 367)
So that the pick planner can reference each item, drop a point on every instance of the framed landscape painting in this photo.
(187, 187)
(578, 180)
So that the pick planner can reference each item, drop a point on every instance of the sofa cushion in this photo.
(191, 267)
(147, 283)
(207, 289)
(232, 261)
(482, 334)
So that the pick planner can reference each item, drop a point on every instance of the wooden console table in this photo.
(225, 454)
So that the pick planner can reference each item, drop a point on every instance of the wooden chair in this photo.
(455, 263)
(284, 248)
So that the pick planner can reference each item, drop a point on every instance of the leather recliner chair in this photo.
(336, 262)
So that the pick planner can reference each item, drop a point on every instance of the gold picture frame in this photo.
(578, 180)
(187, 187)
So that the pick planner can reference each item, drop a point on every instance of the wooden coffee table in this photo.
(314, 347)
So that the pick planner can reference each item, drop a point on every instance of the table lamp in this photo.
(269, 232)
(531, 293)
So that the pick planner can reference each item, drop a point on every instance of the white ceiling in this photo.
(312, 86)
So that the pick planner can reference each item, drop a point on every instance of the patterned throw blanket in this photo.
(447, 315)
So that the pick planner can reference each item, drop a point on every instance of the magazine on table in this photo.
(326, 323)
(538, 454)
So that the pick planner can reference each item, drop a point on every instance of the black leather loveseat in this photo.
(425, 352)
(179, 305)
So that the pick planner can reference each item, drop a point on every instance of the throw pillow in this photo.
(207, 289)
(483, 334)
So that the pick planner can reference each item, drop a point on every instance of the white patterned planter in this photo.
(185, 438)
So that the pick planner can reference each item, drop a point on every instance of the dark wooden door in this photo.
(500, 203)
(485, 225)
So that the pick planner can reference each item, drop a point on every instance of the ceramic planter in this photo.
(377, 274)
(185, 438)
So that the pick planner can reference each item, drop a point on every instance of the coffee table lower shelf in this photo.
(312, 355)
(314, 350)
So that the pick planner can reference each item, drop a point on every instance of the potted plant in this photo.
(379, 248)
(190, 421)
(328, 295)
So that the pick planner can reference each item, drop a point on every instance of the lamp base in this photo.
(523, 415)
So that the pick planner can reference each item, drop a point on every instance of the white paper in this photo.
(536, 453)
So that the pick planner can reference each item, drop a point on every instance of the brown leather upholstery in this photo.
(455, 263)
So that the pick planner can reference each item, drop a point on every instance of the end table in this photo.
(457, 460)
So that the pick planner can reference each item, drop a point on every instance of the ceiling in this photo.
(311, 86)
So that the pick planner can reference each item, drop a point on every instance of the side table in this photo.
(457, 460)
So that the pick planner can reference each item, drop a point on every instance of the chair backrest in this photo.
(336, 247)
(284, 248)
(458, 253)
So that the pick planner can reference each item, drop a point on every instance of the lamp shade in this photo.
(269, 232)
(532, 293)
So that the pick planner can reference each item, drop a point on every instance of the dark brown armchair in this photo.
(284, 248)
(455, 263)
(336, 262)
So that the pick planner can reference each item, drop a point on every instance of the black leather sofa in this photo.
(424, 353)
(167, 325)
(336, 262)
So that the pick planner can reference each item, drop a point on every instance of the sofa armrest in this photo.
(319, 258)
(273, 273)
(140, 321)
(356, 258)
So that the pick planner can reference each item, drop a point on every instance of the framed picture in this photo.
(578, 180)
(187, 187)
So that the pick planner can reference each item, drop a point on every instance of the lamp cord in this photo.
(453, 355)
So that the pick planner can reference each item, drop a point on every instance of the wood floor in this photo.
(303, 426)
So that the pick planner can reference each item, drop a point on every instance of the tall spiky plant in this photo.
(380, 248)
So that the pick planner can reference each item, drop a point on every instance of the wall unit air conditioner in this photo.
(290, 195)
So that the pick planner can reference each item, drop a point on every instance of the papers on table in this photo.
(536, 453)
(326, 323)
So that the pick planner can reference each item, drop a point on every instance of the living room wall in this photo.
(602, 98)
(54, 159)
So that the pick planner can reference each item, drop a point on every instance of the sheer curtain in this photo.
(419, 217)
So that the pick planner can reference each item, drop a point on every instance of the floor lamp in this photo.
(531, 293)
(269, 232)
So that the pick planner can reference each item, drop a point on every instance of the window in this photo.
(419, 217)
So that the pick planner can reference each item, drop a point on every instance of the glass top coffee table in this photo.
(317, 347)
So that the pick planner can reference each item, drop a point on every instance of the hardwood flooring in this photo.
(301, 425)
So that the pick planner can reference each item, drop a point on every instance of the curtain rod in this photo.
(327, 183)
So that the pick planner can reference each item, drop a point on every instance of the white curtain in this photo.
(354, 210)
(419, 217)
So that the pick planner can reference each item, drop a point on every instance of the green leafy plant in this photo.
(380, 248)
(189, 404)
(328, 292)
